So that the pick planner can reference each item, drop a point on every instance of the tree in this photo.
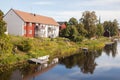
(115, 28)
(81, 30)
(73, 33)
(73, 21)
(65, 32)
(5, 45)
(111, 27)
(89, 20)
(100, 30)
(2, 24)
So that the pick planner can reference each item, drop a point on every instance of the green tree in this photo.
(65, 32)
(5, 45)
(81, 30)
(111, 27)
(73, 33)
(114, 28)
(89, 20)
(100, 30)
(73, 21)
(2, 24)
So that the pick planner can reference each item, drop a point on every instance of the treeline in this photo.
(89, 26)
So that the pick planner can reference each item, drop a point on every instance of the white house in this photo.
(30, 25)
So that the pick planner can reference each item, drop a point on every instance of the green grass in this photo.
(57, 47)
(94, 44)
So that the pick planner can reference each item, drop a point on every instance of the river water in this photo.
(97, 65)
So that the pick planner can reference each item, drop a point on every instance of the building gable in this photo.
(14, 23)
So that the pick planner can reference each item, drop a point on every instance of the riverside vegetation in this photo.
(16, 49)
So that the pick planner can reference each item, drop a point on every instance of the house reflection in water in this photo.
(38, 71)
(32, 71)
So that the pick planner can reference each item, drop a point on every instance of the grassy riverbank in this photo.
(26, 48)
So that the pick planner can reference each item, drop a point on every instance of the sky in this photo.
(63, 10)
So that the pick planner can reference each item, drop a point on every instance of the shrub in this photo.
(5, 45)
(24, 45)
(78, 38)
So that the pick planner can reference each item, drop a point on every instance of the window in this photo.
(24, 31)
(36, 28)
(30, 31)
(30, 24)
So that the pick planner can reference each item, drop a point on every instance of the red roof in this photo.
(29, 17)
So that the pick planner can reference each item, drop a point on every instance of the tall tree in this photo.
(2, 24)
(100, 30)
(115, 28)
(73, 21)
(81, 30)
(111, 27)
(89, 20)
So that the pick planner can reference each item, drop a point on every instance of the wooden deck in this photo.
(43, 60)
(40, 60)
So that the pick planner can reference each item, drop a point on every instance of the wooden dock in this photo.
(40, 60)
(43, 60)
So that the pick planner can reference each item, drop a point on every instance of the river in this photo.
(97, 65)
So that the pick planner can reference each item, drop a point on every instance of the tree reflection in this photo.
(111, 49)
(85, 61)
(89, 63)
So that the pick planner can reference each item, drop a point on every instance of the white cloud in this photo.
(66, 15)
(109, 15)
(43, 3)
(99, 2)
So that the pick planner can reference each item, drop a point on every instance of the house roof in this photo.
(60, 23)
(35, 18)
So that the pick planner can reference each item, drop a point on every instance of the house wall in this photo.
(54, 33)
(16, 26)
(29, 30)
(44, 31)
(14, 23)
(57, 31)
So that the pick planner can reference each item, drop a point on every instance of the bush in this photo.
(78, 38)
(5, 45)
(24, 45)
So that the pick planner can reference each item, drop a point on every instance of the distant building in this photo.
(30, 25)
(62, 25)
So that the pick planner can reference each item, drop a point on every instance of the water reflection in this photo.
(16, 75)
(87, 63)
(27, 72)
(111, 49)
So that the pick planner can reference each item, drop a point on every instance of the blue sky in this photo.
(62, 10)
